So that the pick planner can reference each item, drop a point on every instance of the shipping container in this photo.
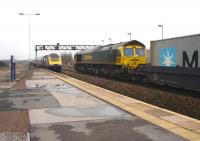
(176, 52)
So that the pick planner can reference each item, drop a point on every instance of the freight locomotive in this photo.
(52, 61)
(119, 60)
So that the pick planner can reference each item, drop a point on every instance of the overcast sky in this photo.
(90, 21)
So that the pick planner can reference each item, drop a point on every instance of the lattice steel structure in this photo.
(62, 47)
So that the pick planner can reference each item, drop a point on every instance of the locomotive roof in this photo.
(53, 55)
(114, 46)
(134, 42)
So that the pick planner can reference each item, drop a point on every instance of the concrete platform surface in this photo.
(130, 129)
(58, 111)
(75, 113)
(181, 125)
(28, 99)
(85, 117)
(13, 136)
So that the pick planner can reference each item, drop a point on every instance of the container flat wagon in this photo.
(174, 62)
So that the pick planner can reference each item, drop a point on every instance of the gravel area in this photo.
(5, 73)
(14, 124)
(21, 84)
(14, 121)
(177, 100)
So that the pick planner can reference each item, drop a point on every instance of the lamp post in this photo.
(129, 35)
(162, 29)
(29, 29)
(110, 40)
(102, 42)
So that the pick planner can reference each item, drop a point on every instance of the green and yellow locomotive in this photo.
(114, 59)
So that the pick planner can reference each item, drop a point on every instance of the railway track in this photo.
(175, 99)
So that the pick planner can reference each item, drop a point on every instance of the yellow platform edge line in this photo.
(176, 129)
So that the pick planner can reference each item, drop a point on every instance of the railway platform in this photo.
(45, 105)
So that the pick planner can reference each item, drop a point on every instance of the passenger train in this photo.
(52, 61)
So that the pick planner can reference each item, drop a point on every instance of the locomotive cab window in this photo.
(139, 52)
(54, 57)
(128, 52)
